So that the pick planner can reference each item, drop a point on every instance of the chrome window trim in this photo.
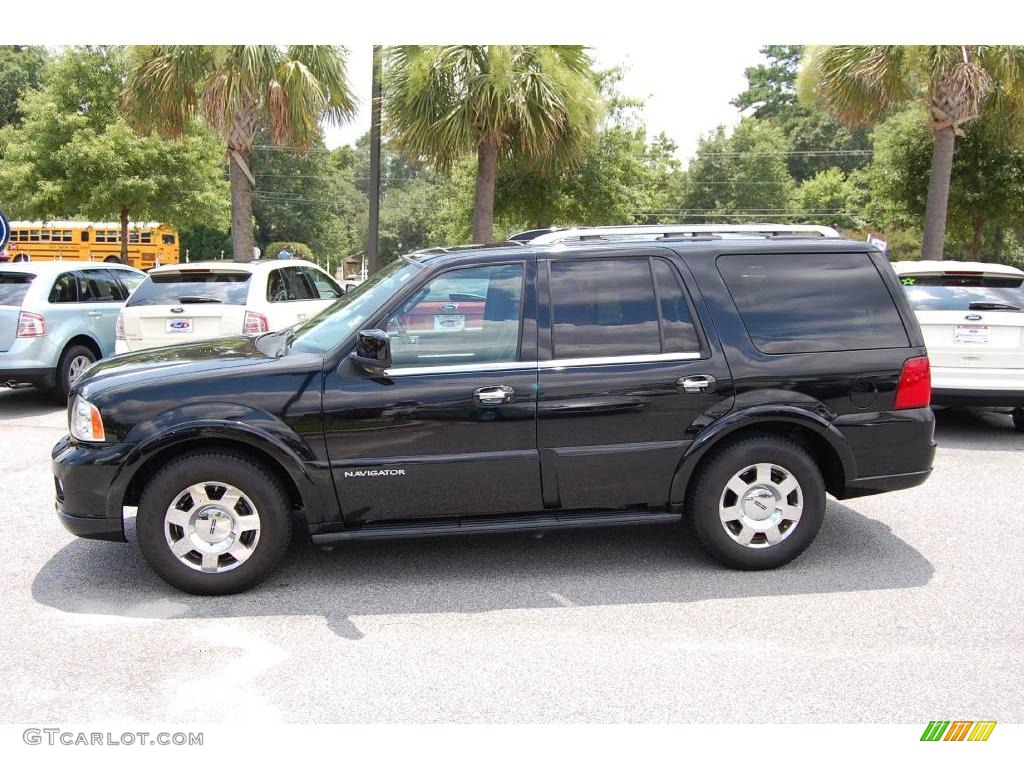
(574, 362)
(413, 370)
(577, 362)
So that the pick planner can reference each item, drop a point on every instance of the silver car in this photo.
(57, 318)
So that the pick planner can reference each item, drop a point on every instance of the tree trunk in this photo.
(124, 235)
(241, 209)
(977, 230)
(938, 195)
(483, 205)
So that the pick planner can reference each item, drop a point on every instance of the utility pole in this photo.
(373, 237)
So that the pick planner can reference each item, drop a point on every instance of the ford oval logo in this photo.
(179, 324)
(177, 310)
(449, 307)
(972, 317)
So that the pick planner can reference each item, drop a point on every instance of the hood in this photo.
(180, 361)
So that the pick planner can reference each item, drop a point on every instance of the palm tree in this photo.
(521, 103)
(862, 84)
(236, 88)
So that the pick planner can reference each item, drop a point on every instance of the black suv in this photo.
(587, 378)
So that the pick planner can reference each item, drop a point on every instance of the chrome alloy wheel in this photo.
(212, 527)
(761, 505)
(77, 367)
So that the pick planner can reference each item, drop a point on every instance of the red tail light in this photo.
(119, 328)
(255, 323)
(915, 387)
(30, 324)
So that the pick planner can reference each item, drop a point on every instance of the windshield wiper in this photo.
(994, 306)
(198, 300)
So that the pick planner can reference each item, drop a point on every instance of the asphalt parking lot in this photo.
(907, 608)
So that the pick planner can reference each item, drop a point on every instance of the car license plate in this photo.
(449, 322)
(179, 325)
(970, 334)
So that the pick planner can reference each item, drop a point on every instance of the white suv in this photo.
(972, 316)
(202, 300)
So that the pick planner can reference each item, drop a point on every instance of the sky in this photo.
(687, 87)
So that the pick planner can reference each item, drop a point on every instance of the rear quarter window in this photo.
(192, 287)
(792, 303)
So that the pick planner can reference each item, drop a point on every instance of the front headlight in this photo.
(85, 422)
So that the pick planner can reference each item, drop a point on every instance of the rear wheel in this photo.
(213, 523)
(758, 502)
(1018, 418)
(73, 363)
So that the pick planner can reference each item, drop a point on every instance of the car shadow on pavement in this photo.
(22, 400)
(976, 429)
(468, 574)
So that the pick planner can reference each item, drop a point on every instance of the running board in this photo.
(506, 523)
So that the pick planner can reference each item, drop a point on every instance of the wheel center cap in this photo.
(758, 503)
(213, 524)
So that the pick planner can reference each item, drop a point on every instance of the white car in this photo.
(972, 316)
(203, 300)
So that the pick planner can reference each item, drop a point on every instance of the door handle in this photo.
(691, 385)
(494, 395)
(94, 313)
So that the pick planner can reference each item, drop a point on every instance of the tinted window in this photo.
(480, 325)
(65, 289)
(13, 287)
(603, 308)
(98, 285)
(812, 302)
(192, 287)
(289, 284)
(678, 332)
(930, 293)
(325, 287)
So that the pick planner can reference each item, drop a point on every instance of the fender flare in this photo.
(748, 417)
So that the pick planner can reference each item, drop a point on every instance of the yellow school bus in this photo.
(149, 243)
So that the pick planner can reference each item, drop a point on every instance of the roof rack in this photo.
(679, 231)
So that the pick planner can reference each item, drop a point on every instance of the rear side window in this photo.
(678, 332)
(793, 303)
(325, 287)
(65, 289)
(603, 308)
(13, 287)
(98, 285)
(289, 284)
(192, 287)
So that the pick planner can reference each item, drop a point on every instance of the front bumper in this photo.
(88, 494)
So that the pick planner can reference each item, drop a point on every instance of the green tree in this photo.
(624, 178)
(863, 84)
(817, 140)
(831, 197)
(986, 196)
(536, 103)
(20, 69)
(73, 154)
(234, 88)
(741, 177)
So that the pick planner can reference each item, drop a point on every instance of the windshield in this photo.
(191, 287)
(347, 315)
(14, 286)
(956, 292)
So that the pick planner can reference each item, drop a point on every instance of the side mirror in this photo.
(373, 350)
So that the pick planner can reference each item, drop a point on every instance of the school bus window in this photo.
(168, 239)
(85, 236)
(147, 237)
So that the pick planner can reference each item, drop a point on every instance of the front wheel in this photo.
(213, 523)
(758, 502)
(1018, 418)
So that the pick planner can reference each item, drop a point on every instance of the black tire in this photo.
(1018, 418)
(72, 354)
(708, 491)
(267, 496)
